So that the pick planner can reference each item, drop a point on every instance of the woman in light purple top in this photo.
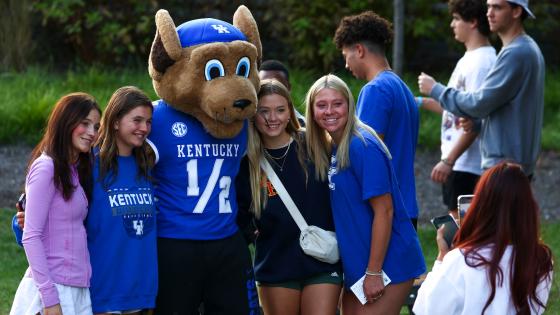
(57, 185)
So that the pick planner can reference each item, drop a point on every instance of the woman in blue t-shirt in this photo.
(374, 232)
(289, 281)
(121, 228)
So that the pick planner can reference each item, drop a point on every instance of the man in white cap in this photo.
(511, 99)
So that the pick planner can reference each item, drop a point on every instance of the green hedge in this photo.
(64, 33)
(28, 97)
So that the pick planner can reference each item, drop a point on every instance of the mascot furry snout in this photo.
(208, 69)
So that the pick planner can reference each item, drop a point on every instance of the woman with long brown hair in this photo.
(499, 264)
(58, 185)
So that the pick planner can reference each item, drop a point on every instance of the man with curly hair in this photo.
(385, 103)
(510, 100)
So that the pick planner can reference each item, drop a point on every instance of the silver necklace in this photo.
(274, 159)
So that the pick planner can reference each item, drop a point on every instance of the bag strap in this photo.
(286, 199)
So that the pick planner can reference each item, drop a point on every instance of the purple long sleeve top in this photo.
(54, 236)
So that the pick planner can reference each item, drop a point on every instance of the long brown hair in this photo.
(67, 114)
(504, 212)
(122, 101)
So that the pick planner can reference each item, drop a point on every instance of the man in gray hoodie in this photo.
(511, 99)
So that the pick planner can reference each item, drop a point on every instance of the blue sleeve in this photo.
(18, 233)
(374, 107)
(368, 164)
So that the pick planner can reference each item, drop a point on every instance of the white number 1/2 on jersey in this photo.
(194, 190)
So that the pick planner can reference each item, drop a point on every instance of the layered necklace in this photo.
(279, 161)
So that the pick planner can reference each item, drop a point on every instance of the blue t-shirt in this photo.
(121, 233)
(194, 176)
(387, 105)
(371, 174)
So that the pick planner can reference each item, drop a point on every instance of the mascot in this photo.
(205, 72)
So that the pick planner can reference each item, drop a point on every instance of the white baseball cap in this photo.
(524, 4)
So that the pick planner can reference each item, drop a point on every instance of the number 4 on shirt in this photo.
(193, 189)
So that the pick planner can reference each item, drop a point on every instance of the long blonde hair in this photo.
(255, 147)
(318, 141)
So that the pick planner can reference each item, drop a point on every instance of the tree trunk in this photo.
(398, 40)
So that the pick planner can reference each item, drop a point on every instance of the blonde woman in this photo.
(373, 229)
(289, 281)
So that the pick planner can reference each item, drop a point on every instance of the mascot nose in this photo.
(241, 103)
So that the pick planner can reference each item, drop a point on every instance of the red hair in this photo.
(504, 212)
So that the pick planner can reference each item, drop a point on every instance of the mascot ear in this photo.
(244, 21)
(166, 48)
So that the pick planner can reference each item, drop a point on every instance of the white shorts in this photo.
(73, 300)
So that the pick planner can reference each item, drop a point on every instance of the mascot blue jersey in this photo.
(194, 176)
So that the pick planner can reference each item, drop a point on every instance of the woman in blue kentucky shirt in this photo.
(374, 232)
(121, 227)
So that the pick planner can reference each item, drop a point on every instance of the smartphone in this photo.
(463, 204)
(449, 229)
(21, 202)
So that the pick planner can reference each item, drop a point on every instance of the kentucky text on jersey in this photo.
(123, 201)
(207, 150)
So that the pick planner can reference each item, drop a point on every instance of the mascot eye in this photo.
(243, 67)
(213, 69)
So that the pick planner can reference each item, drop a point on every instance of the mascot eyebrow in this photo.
(207, 68)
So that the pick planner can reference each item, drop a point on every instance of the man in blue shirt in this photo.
(385, 103)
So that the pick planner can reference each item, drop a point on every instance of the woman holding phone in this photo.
(499, 264)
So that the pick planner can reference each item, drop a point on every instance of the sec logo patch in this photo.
(179, 129)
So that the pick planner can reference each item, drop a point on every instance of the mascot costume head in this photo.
(207, 68)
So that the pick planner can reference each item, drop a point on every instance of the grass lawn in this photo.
(13, 262)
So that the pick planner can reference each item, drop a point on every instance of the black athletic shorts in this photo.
(215, 273)
(458, 183)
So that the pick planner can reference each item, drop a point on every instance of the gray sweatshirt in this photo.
(510, 101)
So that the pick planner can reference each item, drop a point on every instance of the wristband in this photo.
(446, 162)
(373, 273)
(419, 100)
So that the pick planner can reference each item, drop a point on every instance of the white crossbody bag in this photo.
(314, 241)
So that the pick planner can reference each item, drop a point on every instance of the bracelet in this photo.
(373, 273)
(446, 162)
(419, 100)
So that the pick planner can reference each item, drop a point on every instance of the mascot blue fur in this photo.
(205, 72)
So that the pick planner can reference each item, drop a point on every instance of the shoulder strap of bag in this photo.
(286, 199)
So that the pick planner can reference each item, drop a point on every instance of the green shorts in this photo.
(334, 277)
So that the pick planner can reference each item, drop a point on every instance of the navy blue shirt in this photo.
(278, 255)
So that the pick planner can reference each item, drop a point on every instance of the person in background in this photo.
(459, 168)
(385, 103)
(57, 186)
(499, 264)
(510, 100)
(289, 281)
(375, 234)
(274, 69)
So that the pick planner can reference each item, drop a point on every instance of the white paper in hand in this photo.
(358, 287)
